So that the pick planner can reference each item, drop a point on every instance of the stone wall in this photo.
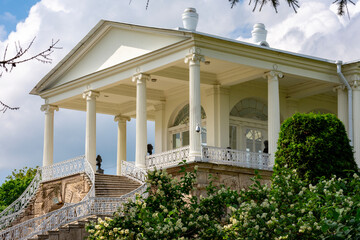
(231, 176)
(52, 195)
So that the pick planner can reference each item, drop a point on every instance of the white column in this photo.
(273, 112)
(48, 154)
(160, 128)
(342, 105)
(356, 120)
(121, 141)
(194, 59)
(141, 128)
(90, 136)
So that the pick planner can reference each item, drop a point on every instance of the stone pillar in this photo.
(160, 128)
(356, 119)
(217, 116)
(342, 105)
(48, 154)
(90, 134)
(194, 59)
(141, 118)
(121, 141)
(273, 112)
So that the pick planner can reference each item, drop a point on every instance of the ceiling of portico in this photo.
(121, 98)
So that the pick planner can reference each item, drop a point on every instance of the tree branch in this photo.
(20, 56)
(4, 107)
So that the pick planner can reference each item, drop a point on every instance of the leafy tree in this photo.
(14, 185)
(316, 145)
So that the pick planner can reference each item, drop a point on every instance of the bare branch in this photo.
(4, 107)
(20, 56)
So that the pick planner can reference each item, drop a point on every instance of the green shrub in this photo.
(294, 209)
(316, 145)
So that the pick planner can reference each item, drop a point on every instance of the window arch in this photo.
(183, 116)
(179, 130)
(250, 108)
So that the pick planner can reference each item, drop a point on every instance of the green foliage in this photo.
(316, 145)
(294, 209)
(169, 212)
(14, 185)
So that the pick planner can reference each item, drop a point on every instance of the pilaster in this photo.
(160, 128)
(355, 84)
(342, 105)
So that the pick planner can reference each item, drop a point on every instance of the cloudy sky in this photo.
(314, 30)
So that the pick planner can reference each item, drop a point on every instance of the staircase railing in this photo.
(90, 205)
(12, 212)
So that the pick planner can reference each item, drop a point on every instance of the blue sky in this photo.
(13, 11)
(314, 30)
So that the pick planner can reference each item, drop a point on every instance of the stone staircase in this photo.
(105, 186)
(113, 186)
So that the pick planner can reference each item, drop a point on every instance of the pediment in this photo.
(107, 45)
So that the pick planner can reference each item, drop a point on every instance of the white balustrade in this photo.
(63, 169)
(236, 157)
(90, 205)
(13, 210)
(168, 159)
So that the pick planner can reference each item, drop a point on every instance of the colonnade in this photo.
(193, 59)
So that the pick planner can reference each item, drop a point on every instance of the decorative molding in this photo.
(194, 56)
(339, 87)
(90, 95)
(141, 78)
(218, 89)
(48, 108)
(273, 74)
(355, 85)
(121, 118)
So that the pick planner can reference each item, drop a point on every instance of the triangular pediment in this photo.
(107, 45)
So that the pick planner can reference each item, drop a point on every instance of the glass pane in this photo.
(176, 140)
(185, 138)
(203, 136)
(232, 136)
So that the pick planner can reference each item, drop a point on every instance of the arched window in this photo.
(179, 130)
(183, 116)
(250, 108)
(248, 125)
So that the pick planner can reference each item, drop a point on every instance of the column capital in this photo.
(339, 87)
(194, 56)
(121, 118)
(48, 108)
(141, 77)
(91, 94)
(273, 74)
(355, 83)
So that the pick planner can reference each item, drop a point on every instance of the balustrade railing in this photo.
(63, 169)
(131, 171)
(167, 159)
(90, 205)
(236, 157)
(15, 209)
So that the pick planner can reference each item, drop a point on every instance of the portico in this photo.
(224, 101)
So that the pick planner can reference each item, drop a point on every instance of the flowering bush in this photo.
(290, 208)
(169, 212)
(294, 209)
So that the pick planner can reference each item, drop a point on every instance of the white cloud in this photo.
(314, 30)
